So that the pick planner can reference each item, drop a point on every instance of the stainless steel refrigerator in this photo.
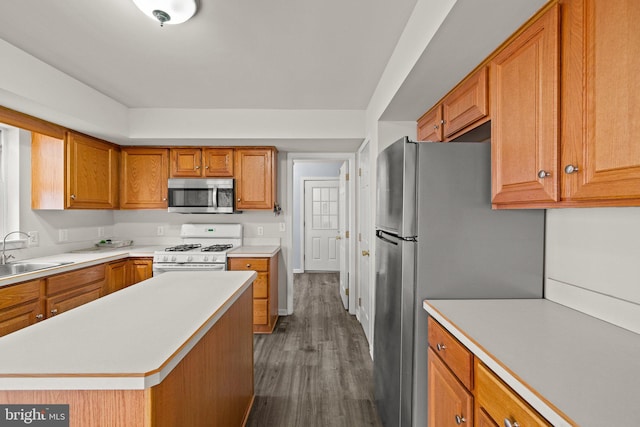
(437, 237)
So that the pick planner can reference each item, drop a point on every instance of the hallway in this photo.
(315, 369)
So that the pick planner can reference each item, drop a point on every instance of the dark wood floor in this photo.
(315, 369)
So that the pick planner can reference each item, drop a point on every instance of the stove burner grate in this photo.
(216, 248)
(183, 248)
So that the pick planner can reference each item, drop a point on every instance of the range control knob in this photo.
(174, 258)
(189, 258)
(165, 258)
(205, 259)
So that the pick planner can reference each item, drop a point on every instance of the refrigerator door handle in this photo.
(379, 235)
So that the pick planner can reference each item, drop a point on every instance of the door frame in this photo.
(302, 242)
(320, 157)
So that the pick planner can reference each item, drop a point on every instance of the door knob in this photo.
(365, 253)
(338, 237)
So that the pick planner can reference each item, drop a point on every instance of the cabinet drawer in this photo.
(260, 311)
(261, 286)
(256, 264)
(502, 403)
(13, 295)
(68, 300)
(73, 279)
(20, 317)
(452, 352)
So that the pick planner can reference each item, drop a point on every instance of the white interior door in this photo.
(343, 235)
(365, 286)
(321, 225)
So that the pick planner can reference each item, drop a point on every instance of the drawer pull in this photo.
(248, 265)
(508, 423)
(441, 347)
(54, 311)
(39, 316)
(460, 420)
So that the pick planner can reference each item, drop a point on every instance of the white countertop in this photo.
(130, 339)
(581, 366)
(79, 260)
(266, 251)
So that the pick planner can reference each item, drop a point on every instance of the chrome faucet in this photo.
(4, 258)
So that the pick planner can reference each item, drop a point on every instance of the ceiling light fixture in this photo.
(167, 11)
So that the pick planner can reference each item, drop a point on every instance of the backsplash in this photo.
(592, 262)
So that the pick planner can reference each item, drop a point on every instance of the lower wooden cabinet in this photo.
(450, 403)
(21, 305)
(462, 389)
(69, 290)
(123, 273)
(141, 269)
(265, 290)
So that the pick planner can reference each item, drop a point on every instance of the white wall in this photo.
(593, 262)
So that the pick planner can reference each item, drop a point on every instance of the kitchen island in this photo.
(176, 349)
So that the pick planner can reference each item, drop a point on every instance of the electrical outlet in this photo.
(160, 230)
(260, 231)
(34, 238)
(282, 227)
(100, 231)
(63, 235)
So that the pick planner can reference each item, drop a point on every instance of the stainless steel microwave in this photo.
(201, 195)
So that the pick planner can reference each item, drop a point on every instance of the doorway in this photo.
(321, 225)
(299, 166)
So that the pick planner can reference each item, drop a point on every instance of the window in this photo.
(9, 179)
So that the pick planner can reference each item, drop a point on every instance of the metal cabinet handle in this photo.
(73, 197)
(460, 419)
(508, 423)
(569, 169)
(441, 347)
(164, 199)
(542, 174)
(197, 167)
(54, 311)
(435, 127)
(365, 253)
(248, 265)
(238, 198)
(39, 316)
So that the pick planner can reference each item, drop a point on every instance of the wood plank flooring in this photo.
(315, 369)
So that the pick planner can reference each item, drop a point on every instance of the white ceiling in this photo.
(262, 54)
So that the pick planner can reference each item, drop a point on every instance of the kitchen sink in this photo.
(25, 267)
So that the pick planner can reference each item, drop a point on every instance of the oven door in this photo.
(201, 195)
(159, 268)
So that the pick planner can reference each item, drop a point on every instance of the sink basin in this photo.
(25, 267)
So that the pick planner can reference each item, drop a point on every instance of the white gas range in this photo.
(203, 247)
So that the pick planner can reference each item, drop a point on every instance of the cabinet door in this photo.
(20, 306)
(144, 172)
(218, 162)
(483, 419)
(141, 269)
(524, 115)
(430, 125)
(466, 105)
(255, 178)
(117, 276)
(186, 162)
(601, 92)
(92, 173)
(449, 403)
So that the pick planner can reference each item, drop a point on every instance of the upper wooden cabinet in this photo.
(144, 176)
(194, 162)
(524, 113)
(461, 110)
(255, 172)
(78, 172)
(601, 101)
(563, 126)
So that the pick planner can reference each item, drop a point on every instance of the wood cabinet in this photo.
(144, 174)
(255, 172)
(77, 172)
(141, 269)
(500, 404)
(461, 110)
(461, 389)
(524, 112)
(69, 290)
(265, 290)
(195, 162)
(20, 306)
(450, 379)
(601, 102)
(564, 128)
(123, 273)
